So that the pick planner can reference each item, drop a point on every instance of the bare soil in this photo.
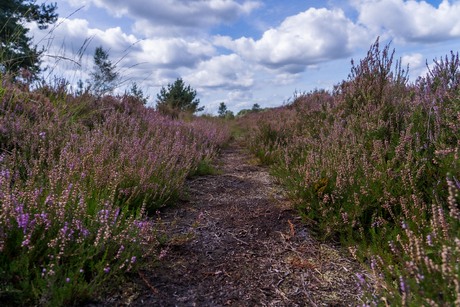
(236, 241)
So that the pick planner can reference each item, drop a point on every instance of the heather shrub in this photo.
(78, 176)
(375, 164)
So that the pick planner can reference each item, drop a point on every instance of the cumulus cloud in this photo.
(173, 52)
(414, 60)
(417, 64)
(308, 38)
(164, 17)
(223, 71)
(413, 21)
(163, 52)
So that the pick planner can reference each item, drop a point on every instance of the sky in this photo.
(242, 52)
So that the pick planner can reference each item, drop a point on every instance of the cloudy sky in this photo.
(243, 52)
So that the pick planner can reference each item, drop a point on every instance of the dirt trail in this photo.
(237, 242)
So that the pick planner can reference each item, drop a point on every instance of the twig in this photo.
(239, 240)
(152, 288)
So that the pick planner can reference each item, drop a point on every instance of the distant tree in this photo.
(222, 109)
(178, 98)
(256, 108)
(243, 112)
(81, 89)
(229, 115)
(103, 77)
(16, 50)
(137, 93)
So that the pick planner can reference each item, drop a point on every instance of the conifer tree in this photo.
(103, 77)
(178, 98)
(16, 49)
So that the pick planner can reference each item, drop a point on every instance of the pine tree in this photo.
(222, 109)
(16, 50)
(103, 77)
(178, 98)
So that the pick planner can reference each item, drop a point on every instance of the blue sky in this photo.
(243, 52)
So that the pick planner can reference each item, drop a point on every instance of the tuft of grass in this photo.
(205, 167)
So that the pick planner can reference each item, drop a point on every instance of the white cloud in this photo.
(285, 79)
(173, 52)
(414, 60)
(164, 52)
(223, 71)
(72, 33)
(308, 38)
(413, 21)
(417, 64)
(165, 17)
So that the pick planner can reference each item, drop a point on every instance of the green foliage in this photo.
(256, 108)
(203, 168)
(224, 112)
(222, 109)
(137, 94)
(16, 50)
(103, 77)
(178, 98)
(229, 115)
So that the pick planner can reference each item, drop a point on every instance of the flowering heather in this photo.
(375, 163)
(77, 178)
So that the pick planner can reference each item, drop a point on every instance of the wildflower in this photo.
(25, 243)
(42, 135)
(457, 183)
(67, 280)
(5, 173)
(22, 219)
(402, 285)
(120, 250)
(361, 279)
(103, 215)
(107, 270)
(429, 240)
(133, 259)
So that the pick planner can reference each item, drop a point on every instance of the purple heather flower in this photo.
(107, 270)
(67, 280)
(22, 218)
(402, 284)
(25, 243)
(104, 214)
(457, 183)
(429, 240)
(5, 174)
(133, 259)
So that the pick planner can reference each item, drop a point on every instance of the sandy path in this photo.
(237, 242)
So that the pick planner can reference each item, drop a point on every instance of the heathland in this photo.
(86, 183)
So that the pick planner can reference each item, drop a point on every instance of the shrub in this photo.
(77, 177)
(376, 165)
